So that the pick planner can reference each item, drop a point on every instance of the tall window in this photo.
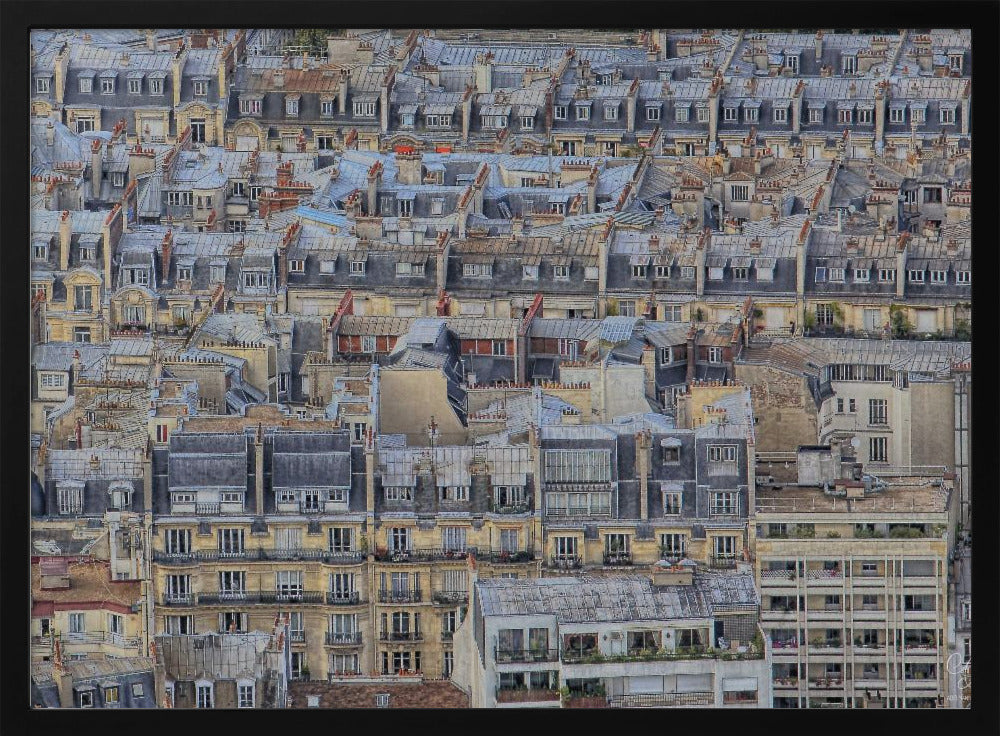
(725, 502)
(342, 585)
(230, 542)
(725, 547)
(672, 503)
(76, 623)
(245, 695)
(177, 541)
(399, 539)
(508, 540)
(565, 547)
(878, 449)
(205, 696)
(878, 411)
(341, 539)
(232, 583)
(672, 545)
(453, 538)
(740, 192)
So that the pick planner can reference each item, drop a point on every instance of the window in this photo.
(288, 583)
(792, 62)
(560, 273)
(184, 273)
(231, 542)
(107, 86)
(86, 85)
(616, 544)
(81, 334)
(849, 64)
(438, 121)
(179, 625)
(76, 623)
(364, 109)
(565, 547)
(53, 380)
(177, 541)
(42, 85)
(878, 411)
(836, 275)
(897, 114)
(342, 585)
(878, 449)
(508, 539)
(740, 273)
(663, 272)
(681, 114)
(156, 86)
(916, 276)
(653, 113)
(918, 114)
(499, 347)
(398, 493)
(722, 453)
(250, 107)
(932, 195)
(583, 112)
(559, 112)
(725, 547)
(205, 699)
(740, 193)
(296, 265)
(84, 125)
(453, 493)
(87, 699)
(357, 268)
(232, 583)
(399, 539)
(861, 275)
(703, 114)
(845, 116)
(177, 199)
(70, 499)
(967, 610)
(815, 114)
(886, 274)
(781, 114)
(751, 114)
(963, 277)
(947, 115)
(529, 273)
(672, 501)
(725, 502)
(626, 307)
(245, 696)
(730, 114)
(715, 355)
(111, 695)
(939, 277)
(864, 116)
(852, 406)
(200, 88)
(672, 545)
(638, 271)
(326, 108)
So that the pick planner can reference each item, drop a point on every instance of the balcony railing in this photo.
(504, 656)
(819, 576)
(671, 555)
(342, 638)
(343, 598)
(319, 555)
(777, 574)
(259, 597)
(101, 637)
(510, 508)
(421, 555)
(653, 655)
(826, 682)
(297, 637)
(567, 562)
(617, 558)
(401, 636)
(661, 700)
(212, 508)
(722, 563)
(399, 596)
(450, 596)
(525, 695)
(178, 599)
(786, 682)
(507, 557)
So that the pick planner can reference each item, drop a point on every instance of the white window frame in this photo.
(653, 113)
(725, 503)
(357, 268)
(751, 114)
(963, 277)
(816, 114)
(560, 272)
(200, 87)
(245, 694)
(730, 114)
(722, 453)
(673, 503)
(204, 694)
(559, 112)
(714, 354)
(107, 86)
(781, 114)
(582, 112)
(86, 85)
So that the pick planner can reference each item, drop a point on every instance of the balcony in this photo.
(178, 599)
(671, 555)
(208, 509)
(101, 637)
(343, 598)
(722, 563)
(658, 655)
(825, 577)
(525, 695)
(451, 597)
(507, 557)
(321, 555)
(777, 577)
(868, 650)
(510, 508)
(421, 555)
(342, 638)
(399, 596)
(662, 700)
(297, 637)
(785, 646)
(401, 636)
(259, 598)
(786, 682)
(307, 555)
(566, 562)
(827, 682)
(617, 559)
(826, 646)
(520, 656)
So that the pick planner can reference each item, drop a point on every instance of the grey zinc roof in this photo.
(587, 599)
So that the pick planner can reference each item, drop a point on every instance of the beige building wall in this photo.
(408, 398)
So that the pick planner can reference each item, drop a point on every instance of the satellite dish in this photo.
(855, 443)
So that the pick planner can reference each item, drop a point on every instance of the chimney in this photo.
(278, 79)
(50, 134)
(374, 179)
(819, 46)
(755, 246)
(65, 239)
(482, 69)
(692, 347)
(96, 168)
(643, 441)
(151, 39)
(466, 113)
(901, 244)
(408, 168)
(258, 475)
(342, 91)
(177, 68)
(166, 248)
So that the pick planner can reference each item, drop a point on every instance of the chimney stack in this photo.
(692, 346)
(258, 476)
(50, 134)
(166, 248)
(65, 239)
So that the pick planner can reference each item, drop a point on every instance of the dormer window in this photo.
(42, 85)
(559, 112)
(849, 64)
(663, 272)
(560, 273)
(611, 111)
(250, 106)
(638, 271)
(217, 273)
(963, 277)
(326, 108)
(897, 114)
(200, 88)
(107, 86)
(792, 62)
(296, 265)
(583, 112)
(730, 114)
(156, 86)
(405, 207)
(407, 119)
(40, 251)
(751, 114)
(138, 276)
(529, 273)
(184, 273)
(135, 86)
(741, 273)
(939, 277)
(916, 276)
(180, 199)
(861, 275)
(682, 113)
(815, 114)
(292, 107)
(256, 280)
(86, 85)
(653, 112)
(527, 122)
(357, 268)
(118, 179)
(477, 270)
(955, 62)
(947, 115)
(836, 274)
(781, 114)
(865, 115)
(918, 114)
(364, 109)
(886, 275)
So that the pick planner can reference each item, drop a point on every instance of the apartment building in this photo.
(114, 682)
(853, 577)
(676, 640)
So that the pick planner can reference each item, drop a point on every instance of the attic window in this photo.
(682, 114)
(559, 112)
(297, 265)
(529, 273)
(86, 85)
(357, 268)
(364, 109)
(42, 85)
(382, 700)
(200, 88)
(107, 86)
(327, 266)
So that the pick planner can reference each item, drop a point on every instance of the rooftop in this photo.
(903, 495)
(426, 694)
(89, 582)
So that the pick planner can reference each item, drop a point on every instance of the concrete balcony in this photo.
(508, 656)
(777, 578)
(827, 683)
(825, 578)
(450, 597)
(868, 614)
(779, 615)
(822, 614)
(343, 598)
(869, 651)
(786, 683)
(920, 615)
